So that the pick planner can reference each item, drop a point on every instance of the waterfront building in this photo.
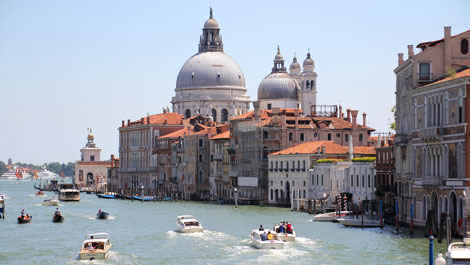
(90, 171)
(114, 181)
(211, 83)
(296, 89)
(138, 163)
(261, 132)
(220, 165)
(431, 120)
(385, 169)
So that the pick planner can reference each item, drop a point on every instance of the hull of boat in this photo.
(268, 244)
(57, 219)
(359, 222)
(287, 237)
(50, 203)
(102, 215)
(106, 196)
(89, 255)
(23, 221)
(191, 230)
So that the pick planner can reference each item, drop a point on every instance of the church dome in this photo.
(308, 61)
(294, 65)
(208, 70)
(278, 85)
(211, 24)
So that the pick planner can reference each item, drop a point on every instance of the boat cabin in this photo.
(69, 195)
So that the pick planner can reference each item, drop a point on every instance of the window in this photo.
(338, 135)
(187, 113)
(317, 181)
(276, 166)
(298, 165)
(265, 135)
(329, 137)
(201, 143)
(214, 115)
(303, 168)
(287, 165)
(363, 182)
(368, 181)
(352, 180)
(357, 180)
(272, 165)
(269, 106)
(322, 180)
(271, 194)
(361, 138)
(282, 165)
(201, 176)
(424, 71)
(200, 158)
(302, 137)
(305, 184)
(464, 46)
(293, 166)
(92, 158)
(224, 117)
(291, 136)
(346, 138)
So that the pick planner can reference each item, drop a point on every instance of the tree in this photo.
(393, 125)
(3, 167)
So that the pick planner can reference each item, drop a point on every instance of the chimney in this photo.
(112, 160)
(142, 120)
(128, 122)
(256, 108)
(340, 111)
(348, 117)
(379, 141)
(351, 147)
(410, 51)
(123, 123)
(323, 150)
(354, 118)
(364, 119)
(148, 119)
(447, 47)
(400, 58)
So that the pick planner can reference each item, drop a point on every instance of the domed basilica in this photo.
(210, 83)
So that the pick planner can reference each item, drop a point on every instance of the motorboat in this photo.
(362, 221)
(39, 193)
(188, 224)
(459, 252)
(286, 237)
(102, 215)
(95, 246)
(51, 202)
(24, 219)
(69, 195)
(330, 217)
(107, 195)
(57, 218)
(259, 239)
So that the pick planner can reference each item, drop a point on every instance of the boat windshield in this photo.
(94, 245)
(191, 223)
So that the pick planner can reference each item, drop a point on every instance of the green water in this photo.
(143, 233)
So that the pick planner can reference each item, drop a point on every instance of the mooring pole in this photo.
(411, 218)
(396, 215)
(381, 214)
(431, 249)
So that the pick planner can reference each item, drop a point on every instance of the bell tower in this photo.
(308, 84)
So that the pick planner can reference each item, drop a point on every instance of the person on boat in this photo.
(57, 212)
(282, 227)
(89, 246)
(99, 211)
(22, 213)
(261, 228)
(270, 236)
(263, 236)
(289, 228)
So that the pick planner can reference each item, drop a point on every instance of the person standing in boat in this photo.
(22, 213)
(289, 228)
(261, 228)
(57, 212)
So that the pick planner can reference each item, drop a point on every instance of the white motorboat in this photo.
(260, 239)
(329, 217)
(362, 221)
(188, 224)
(46, 174)
(51, 202)
(96, 246)
(459, 252)
(69, 195)
(286, 237)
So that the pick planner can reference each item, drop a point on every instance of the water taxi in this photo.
(459, 252)
(260, 239)
(69, 195)
(330, 217)
(188, 224)
(362, 221)
(51, 202)
(287, 236)
(96, 246)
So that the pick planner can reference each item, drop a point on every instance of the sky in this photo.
(66, 66)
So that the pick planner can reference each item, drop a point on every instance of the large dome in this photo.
(279, 85)
(210, 69)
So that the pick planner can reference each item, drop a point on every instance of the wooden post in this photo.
(449, 231)
(396, 215)
(314, 206)
(411, 218)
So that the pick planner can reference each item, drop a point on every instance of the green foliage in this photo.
(328, 160)
(3, 167)
(450, 72)
(393, 125)
(363, 159)
(57, 167)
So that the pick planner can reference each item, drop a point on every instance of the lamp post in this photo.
(236, 197)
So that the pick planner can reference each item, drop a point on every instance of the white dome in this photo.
(210, 69)
(279, 85)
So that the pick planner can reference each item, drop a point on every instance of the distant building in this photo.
(114, 180)
(90, 171)
(220, 165)
(385, 169)
(432, 117)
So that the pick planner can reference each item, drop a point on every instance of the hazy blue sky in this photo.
(69, 65)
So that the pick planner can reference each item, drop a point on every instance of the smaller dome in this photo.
(279, 56)
(308, 61)
(278, 85)
(90, 137)
(294, 65)
(211, 24)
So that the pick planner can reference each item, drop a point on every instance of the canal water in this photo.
(143, 233)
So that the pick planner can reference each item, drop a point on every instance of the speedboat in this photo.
(102, 215)
(459, 252)
(286, 237)
(329, 217)
(96, 246)
(257, 237)
(51, 202)
(362, 221)
(57, 218)
(24, 219)
(188, 224)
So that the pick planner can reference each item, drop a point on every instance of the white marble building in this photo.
(211, 83)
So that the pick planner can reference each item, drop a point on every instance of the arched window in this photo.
(200, 158)
(312, 84)
(308, 85)
(464, 46)
(187, 113)
(291, 136)
(361, 138)
(214, 114)
(329, 137)
(224, 117)
(265, 135)
(302, 137)
(201, 176)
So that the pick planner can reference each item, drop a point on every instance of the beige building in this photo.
(431, 123)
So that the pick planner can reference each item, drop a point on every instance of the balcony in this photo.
(433, 132)
(431, 181)
(218, 157)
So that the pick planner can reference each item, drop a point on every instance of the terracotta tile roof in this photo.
(224, 135)
(338, 123)
(430, 44)
(463, 73)
(162, 118)
(176, 134)
(364, 150)
(312, 147)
